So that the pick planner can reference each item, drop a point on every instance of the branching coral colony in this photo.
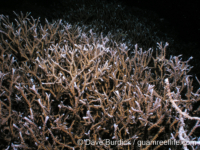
(60, 84)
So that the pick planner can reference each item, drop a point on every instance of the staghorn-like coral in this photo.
(62, 83)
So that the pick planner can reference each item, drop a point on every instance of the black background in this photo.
(182, 16)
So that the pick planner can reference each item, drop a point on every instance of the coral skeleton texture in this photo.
(62, 83)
